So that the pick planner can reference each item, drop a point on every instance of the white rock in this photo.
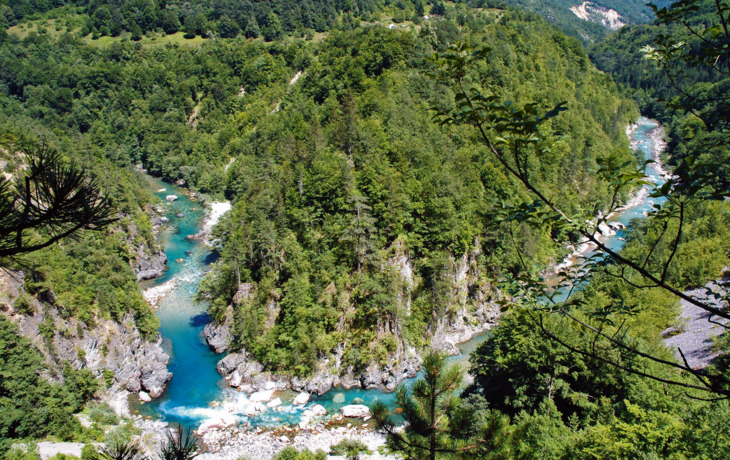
(262, 396)
(171, 197)
(301, 399)
(605, 229)
(214, 423)
(51, 449)
(236, 379)
(269, 385)
(144, 397)
(355, 411)
(318, 410)
(274, 403)
(254, 408)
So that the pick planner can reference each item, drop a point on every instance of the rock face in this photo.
(473, 308)
(147, 266)
(115, 352)
(147, 261)
(589, 11)
(217, 335)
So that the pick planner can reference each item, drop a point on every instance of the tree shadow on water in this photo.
(199, 320)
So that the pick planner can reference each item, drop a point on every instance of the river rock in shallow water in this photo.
(301, 399)
(355, 411)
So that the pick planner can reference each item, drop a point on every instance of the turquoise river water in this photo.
(197, 392)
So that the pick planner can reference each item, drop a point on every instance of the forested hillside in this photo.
(691, 100)
(344, 184)
(333, 174)
(362, 231)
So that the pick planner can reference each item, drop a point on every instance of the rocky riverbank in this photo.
(214, 211)
(235, 442)
(605, 228)
(244, 373)
(696, 333)
(114, 351)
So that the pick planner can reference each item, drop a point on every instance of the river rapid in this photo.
(197, 393)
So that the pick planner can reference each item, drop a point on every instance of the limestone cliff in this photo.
(114, 351)
(468, 310)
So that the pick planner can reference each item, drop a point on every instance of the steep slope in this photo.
(361, 232)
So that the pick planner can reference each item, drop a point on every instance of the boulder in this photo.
(235, 379)
(301, 399)
(318, 410)
(355, 411)
(276, 402)
(217, 335)
(144, 397)
(339, 398)
(212, 424)
(605, 229)
(230, 362)
(262, 396)
(171, 197)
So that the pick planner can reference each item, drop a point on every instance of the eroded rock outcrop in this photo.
(147, 258)
(115, 352)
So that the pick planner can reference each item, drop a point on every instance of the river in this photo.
(197, 392)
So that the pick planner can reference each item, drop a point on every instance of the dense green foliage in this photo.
(350, 171)
(31, 406)
(89, 276)
(686, 93)
(560, 383)
(439, 424)
(338, 174)
(583, 379)
(331, 176)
